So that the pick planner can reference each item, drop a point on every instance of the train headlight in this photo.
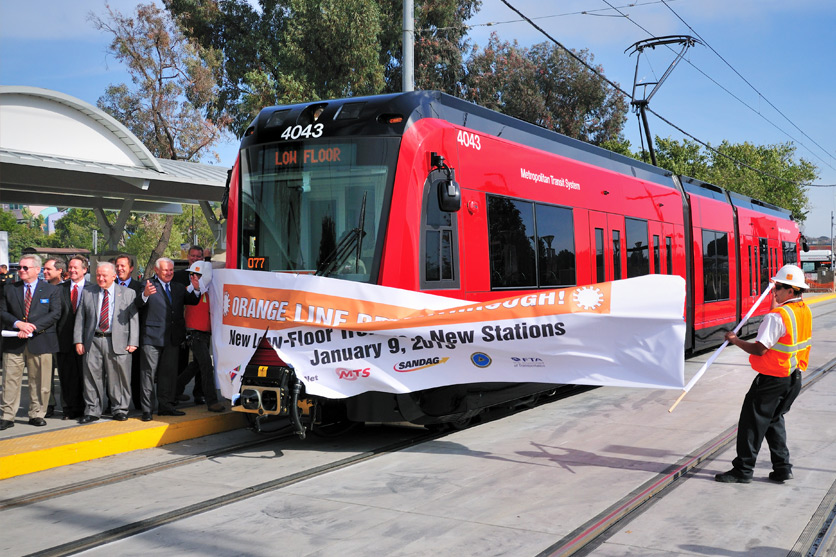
(250, 399)
(270, 401)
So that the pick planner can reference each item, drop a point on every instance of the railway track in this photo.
(820, 531)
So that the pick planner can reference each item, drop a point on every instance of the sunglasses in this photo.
(781, 286)
(194, 274)
(25, 268)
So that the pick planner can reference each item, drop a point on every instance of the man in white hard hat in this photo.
(199, 337)
(779, 354)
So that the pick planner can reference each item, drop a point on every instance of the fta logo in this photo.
(352, 374)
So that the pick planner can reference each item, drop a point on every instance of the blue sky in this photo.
(785, 50)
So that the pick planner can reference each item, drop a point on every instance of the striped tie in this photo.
(104, 316)
(27, 301)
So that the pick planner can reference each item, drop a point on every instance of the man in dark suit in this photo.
(182, 276)
(163, 329)
(31, 308)
(106, 333)
(124, 276)
(70, 367)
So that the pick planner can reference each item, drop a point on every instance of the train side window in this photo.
(555, 245)
(763, 254)
(638, 257)
(600, 271)
(715, 256)
(511, 236)
(656, 260)
(752, 280)
(669, 253)
(616, 254)
(790, 253)
(440, 253)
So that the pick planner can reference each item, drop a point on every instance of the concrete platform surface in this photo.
(544, 481)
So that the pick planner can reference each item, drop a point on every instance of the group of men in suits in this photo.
(106, 337)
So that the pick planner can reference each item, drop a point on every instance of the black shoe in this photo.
(780, 476)
(217, 407)
(87, 419)
(40, 422)
(50, 412)
(120, 416)
(147, 417)
(6, 424)
(171, 412)
(199, 400)
(181, 397)
(732, 477)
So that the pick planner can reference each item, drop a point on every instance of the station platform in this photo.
(545, 481)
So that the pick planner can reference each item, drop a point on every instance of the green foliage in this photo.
(22, 235)
(778, 178)
(545, 86)
(173, 82)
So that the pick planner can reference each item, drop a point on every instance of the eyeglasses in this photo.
(194, 274)
(781, 286)
(25, 268)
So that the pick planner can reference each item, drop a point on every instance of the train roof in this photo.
(371, 115)
(363, 115)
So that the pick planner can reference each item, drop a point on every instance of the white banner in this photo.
(345, 338)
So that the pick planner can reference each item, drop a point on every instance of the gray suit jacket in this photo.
(125, 322)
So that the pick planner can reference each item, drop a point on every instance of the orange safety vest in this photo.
(197, 316)
(792, 351)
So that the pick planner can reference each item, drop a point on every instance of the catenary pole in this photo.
(713, 357)
(408, 67)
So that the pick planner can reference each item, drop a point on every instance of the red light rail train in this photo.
(426, 192)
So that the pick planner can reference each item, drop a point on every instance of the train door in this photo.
(607, 241)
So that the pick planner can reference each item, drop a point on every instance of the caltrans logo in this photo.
(418, 363)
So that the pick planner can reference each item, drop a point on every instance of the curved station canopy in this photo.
(57, 150)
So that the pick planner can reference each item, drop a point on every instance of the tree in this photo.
(175, 87)
(778, 178)
(293, 50)
(21, 235)
(172, 84)
(440, 40)
(545, 86)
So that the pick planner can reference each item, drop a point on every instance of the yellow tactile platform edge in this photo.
(42, 451)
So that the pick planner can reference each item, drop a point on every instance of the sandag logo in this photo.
(418, 363)
(352, 374)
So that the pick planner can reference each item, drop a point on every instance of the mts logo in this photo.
(352, 374)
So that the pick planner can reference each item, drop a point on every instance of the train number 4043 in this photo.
(468, 139)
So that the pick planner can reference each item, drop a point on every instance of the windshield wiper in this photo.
(353, 238)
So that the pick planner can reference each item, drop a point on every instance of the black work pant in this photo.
(762, 417)
(71, 376)
(200, 368)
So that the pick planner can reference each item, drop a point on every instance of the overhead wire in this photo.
(746, 81)
(628, 95)
(741, 101)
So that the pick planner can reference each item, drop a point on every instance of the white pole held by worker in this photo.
(713, 357)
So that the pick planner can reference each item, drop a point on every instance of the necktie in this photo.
(74, 297)
(27, 301)
(124, 283)
(104, 315)
(167, 292)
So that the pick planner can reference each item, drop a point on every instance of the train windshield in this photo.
(316, 206)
